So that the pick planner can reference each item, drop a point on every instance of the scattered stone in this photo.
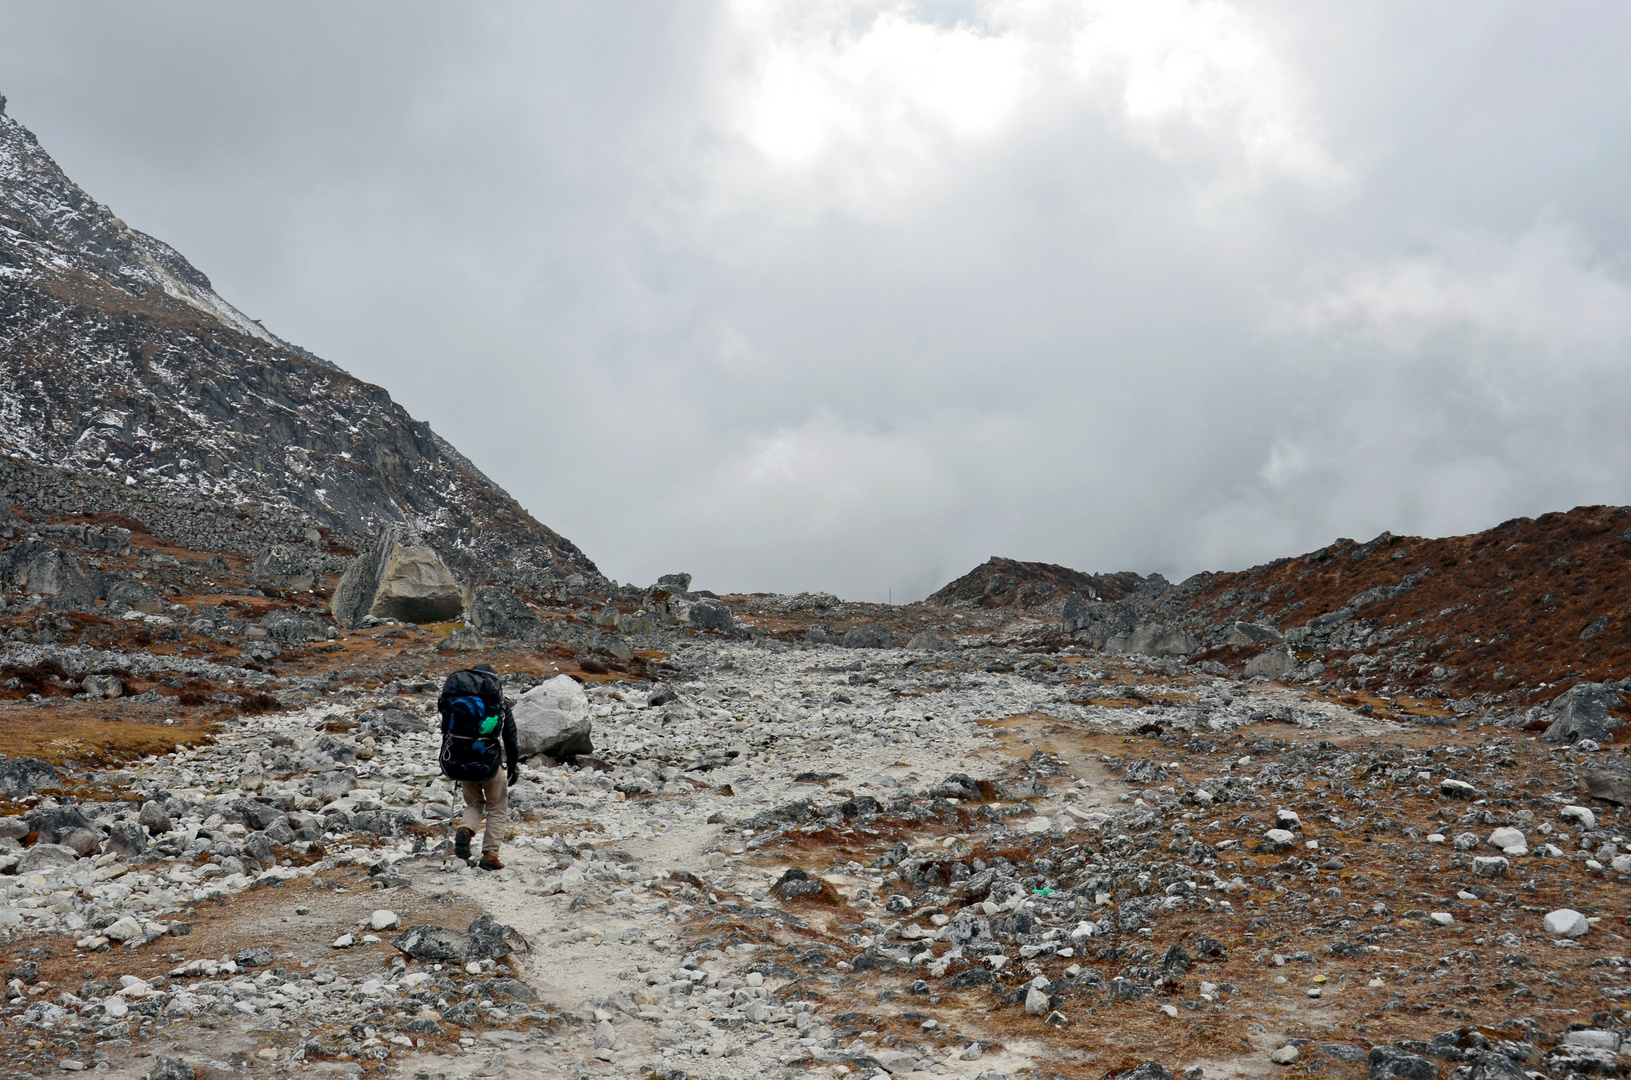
(1285, 1055)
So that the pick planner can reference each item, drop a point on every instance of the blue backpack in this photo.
(472, 708)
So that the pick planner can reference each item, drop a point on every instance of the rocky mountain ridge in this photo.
(119, 362)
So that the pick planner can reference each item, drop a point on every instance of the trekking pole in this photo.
(452, 813)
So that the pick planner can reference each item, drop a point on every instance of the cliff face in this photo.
(118, 360)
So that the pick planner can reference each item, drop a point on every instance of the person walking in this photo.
(479, 751)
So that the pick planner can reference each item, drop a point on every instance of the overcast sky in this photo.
(852, 295)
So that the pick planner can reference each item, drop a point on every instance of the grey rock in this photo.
(377, 822)
(1075, 615)
(54, 822)
(1595, 627)
(1583, 712)
(25, 776)
(870, 636)
(153, 818)
(1275, 663)
(293, 627)
(553, 718)
(102, 686)
(253, 957)
(499, 613)
(485, 940)
(1153, 639)
(12, 828)
(1149, 1070)
(172, 1069)
(1494, 1066)
(614, 647)
(1391, 1063)
(713, 615)
(390, 723)
(1610, 781)
(929, 641)
(465, 640)
(328, 786)
(82, 842)
(252, 814)
(259, 848)
(36, 567)
(398, 577)
(675, 583)
(44, 856)
(1248, 633)
(1324, 624)
(135, 595)
(288, 566)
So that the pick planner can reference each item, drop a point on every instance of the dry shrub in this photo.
(259, 702)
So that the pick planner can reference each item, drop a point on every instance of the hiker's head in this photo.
(488, 668)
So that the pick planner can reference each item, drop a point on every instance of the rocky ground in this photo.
(791, 859)
(810, 838)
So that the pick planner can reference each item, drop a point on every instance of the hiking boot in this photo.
(461, 843)
(490, 862)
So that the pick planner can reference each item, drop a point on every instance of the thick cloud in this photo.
(851, 295)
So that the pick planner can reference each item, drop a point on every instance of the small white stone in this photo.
(1507, 837)
(1039, 824)
(1170, 1010)
(1584, 816)
(383, 919)
(1435, 838)
(1279, 837)
(1285, 1055)
(344, 941)
(1443, 918)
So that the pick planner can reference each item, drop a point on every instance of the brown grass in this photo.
(95, 733)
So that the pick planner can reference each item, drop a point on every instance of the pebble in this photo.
(1285, 1055)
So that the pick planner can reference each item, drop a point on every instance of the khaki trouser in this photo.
(491, 797)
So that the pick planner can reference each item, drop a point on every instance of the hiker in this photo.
(478, 737)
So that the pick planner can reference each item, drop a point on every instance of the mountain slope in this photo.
(118, 359)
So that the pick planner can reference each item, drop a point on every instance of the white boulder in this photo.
(1566, 922)
(553, 718)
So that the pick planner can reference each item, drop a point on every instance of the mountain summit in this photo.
(121, 363)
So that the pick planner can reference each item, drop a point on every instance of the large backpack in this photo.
(472, 708)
